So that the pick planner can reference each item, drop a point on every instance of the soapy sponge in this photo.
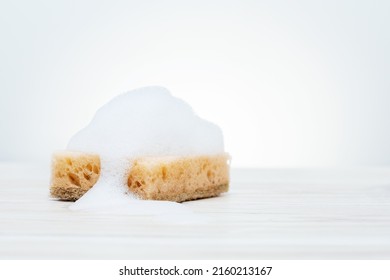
(173, 178)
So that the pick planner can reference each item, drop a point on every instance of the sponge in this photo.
(173, 178)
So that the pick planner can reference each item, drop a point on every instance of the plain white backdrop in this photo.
(291, 83)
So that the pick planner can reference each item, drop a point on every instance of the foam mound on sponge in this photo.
(148, 122)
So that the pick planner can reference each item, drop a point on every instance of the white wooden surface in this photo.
(268, 214)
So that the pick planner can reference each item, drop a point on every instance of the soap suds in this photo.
(147, 122)
(143, 122)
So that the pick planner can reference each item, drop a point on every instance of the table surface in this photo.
(268, 214)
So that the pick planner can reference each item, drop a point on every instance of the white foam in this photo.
(143, 122)
(147, 121)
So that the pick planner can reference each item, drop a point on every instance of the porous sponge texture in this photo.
(73, 174)
(179, 178)
(156, 178)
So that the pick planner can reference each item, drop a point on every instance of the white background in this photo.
(291, 83)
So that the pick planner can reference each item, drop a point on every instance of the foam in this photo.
(144, 122)
(148, 121)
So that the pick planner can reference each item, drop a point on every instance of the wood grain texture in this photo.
(268, 214)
